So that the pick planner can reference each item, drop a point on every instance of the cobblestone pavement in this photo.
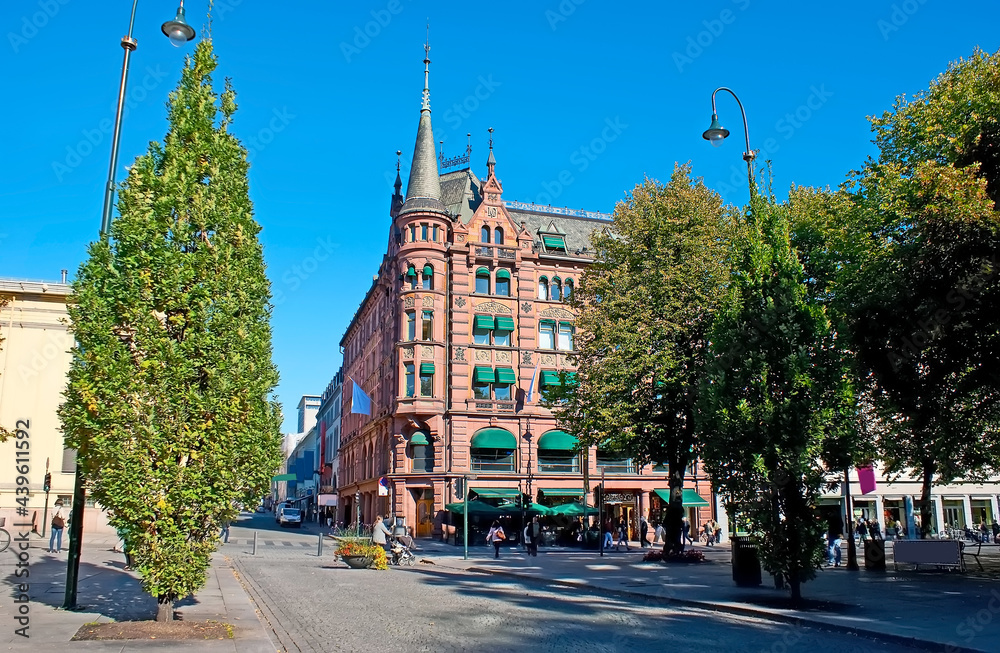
(314, 604)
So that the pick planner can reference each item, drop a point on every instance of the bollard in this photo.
(254, 552)
(319, 548)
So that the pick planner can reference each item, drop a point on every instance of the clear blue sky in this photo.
(328, 91)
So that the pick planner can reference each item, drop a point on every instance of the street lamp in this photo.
(716, 133)
(174, 29)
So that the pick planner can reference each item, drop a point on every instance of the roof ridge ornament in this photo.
(426, 103)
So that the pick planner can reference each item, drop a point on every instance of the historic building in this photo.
(464, 323)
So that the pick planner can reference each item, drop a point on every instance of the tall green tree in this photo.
(645, 307)
(169, 393)
(775, 399)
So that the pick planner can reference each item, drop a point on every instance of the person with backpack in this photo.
(496, 537)
(58, 524)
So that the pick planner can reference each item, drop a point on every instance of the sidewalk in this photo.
(929, 610)
(106, 592)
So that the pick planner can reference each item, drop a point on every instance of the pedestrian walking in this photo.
(659, 534)
(643, 532)
(686, 532)
(608, 540)
(717, 531)
(622, 535)
(709, 533)
(496, 537)
(380, 533)
(532, 533)
(57, 525)
(225, 531)
(876, 530)
(833, 554)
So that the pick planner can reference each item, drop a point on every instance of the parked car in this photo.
(290, 517)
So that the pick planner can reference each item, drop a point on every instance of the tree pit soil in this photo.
(165, 630)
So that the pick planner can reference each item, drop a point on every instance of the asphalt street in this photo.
(311, 603)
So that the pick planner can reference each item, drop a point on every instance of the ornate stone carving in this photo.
(460, 302)
(492, 307)
(407, 352)
(461, 238)
(526, 358)
(526, 307)
(460, 353)
(503, 356)
(427, 302)
(548, 359)
(483, 355)
(408, 302)
(558, 313)
(426, 352)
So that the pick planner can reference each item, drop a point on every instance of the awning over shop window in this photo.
(506, 375)
(550, 377)
(419, 437)
(485, 322)
(494, 439)
(505, 323)
(691, 498)
(557, 441)
(562, 492)
(484, 375)
(284, 477)
(427, 368)
(497, 492)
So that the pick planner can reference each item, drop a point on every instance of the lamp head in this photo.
(177, 30)
(715, 133)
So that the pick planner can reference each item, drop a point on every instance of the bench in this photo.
(939, 553)
(979, 550)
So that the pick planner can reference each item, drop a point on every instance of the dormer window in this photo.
(554, 243)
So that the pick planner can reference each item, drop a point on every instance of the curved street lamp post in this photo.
(716, 133)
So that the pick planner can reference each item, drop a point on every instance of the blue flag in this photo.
(361, 404)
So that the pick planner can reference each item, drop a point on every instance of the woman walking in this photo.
(496, 537)
(58, 523)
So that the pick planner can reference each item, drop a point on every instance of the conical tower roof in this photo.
(423, 191)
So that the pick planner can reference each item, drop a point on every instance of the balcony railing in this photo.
(486, 252)
(504, 252)
(495, 406)
(487, 465)
(559, 465)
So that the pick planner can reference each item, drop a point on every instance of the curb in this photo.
(888, 638)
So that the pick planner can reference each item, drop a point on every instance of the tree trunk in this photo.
(925, 499)
(164, 609)
(673, 542)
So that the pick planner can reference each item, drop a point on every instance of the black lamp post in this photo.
(716, 133)
(179, 33)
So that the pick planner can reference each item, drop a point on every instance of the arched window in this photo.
(493, 450)
(543, 288)
(421, 452)
(484, 235)
(498, 236)
(428, 277)
(555, 290)
(557, 452)
(411, 276)
(482, 281)
(503, 283)
(568, 289)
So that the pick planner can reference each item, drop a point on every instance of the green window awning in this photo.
(502, 273)
(494, 438)
(428, 270)
(554, 242)
(556, 440)
(496, 492)
(427, 368)
(691, 498)
(411, 272)
(547, 322)
(505, 323)
(284, 477)
(506, 375)
(482, 272)
(562, 492)
(550, 377)
(566, 324)
(571, 379)
(419, 437)
(487, 322)
(484, 374)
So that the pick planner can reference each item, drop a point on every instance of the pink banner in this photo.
(866, 478)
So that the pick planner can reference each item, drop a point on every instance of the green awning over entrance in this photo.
(485, 322)
(284, 477)
(505, 323)
(562, 492)
(691, 498)
(506, 375)
(427, 368)
(494, 439)
(496, 492)
(484, 374)
(550, 377)
(419, 437)
(558, 441)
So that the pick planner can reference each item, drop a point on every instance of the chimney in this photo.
(62, 276)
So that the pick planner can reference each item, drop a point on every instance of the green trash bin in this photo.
(875, 555)
(746, 562)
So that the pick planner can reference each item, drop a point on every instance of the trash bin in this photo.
(746, 562)
(875, 555)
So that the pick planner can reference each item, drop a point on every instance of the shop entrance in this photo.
(424, 499)
(618, 506)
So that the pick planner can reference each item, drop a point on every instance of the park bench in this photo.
(967, 551)
(937, 553)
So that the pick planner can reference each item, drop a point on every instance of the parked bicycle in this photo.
(4, 535)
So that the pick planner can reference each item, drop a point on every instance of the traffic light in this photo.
(460, 487)
(599, 495)
(48, 482)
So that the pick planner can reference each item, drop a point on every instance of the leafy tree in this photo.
(645, 307)
(168, 394)
(775, 399)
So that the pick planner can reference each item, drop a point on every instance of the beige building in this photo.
(34, 361)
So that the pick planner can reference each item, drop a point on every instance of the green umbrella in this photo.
(535, 509)
(573, 510)
(475, 508)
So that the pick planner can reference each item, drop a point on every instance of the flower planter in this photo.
(357, 562)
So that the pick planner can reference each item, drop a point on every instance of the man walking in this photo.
(643, 532)
(532, 533)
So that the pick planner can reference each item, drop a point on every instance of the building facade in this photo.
(328, 425)
(463, 327)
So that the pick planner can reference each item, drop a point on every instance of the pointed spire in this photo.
(399, 182)
(491, 162)
(424, 188)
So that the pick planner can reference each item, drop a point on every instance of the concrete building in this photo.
(328, 424)
(292, 450)
(463, 325)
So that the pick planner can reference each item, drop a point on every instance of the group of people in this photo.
(864, 529)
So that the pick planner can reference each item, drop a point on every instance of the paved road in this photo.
(317, 604)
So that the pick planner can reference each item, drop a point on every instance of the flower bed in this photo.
(691, 555)
(348, 547)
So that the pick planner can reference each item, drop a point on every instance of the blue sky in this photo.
(596, 94)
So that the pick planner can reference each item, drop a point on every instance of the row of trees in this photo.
(784, 342)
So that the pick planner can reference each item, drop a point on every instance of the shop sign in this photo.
(619, 497)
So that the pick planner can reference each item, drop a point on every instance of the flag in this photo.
(866, 479)
(361, 404)
(531, 387)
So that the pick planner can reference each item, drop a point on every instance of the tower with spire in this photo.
(423, 192)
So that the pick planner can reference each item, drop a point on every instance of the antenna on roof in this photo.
(398, 154)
